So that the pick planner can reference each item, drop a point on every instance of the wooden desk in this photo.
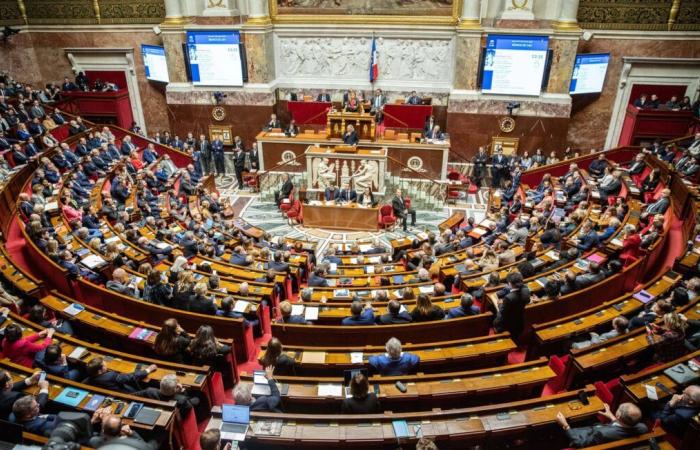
(337, 122)
(340, 217)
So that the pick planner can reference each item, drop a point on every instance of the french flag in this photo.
(373, 66)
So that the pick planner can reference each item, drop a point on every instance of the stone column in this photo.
(568, 15)
(173, 11)
(258, 12)
(470, 17)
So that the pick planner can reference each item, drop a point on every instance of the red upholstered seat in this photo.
(188, 432)
(295, 212)
(286, 205)
(407, 202)
(216, 389)
(386, 216)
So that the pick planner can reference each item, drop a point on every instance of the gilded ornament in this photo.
(218, 113)
(506, 124)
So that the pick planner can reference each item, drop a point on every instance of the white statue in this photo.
(366, 175)
(325, 173)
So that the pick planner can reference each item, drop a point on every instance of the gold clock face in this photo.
(218, 113)
(506, 124)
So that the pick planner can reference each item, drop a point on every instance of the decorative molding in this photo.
(647, 15)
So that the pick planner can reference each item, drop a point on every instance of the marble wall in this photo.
(591, 114)
(38, 57)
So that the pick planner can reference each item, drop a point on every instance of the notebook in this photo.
(310, 357)
(74, 309)
(241, 306)
(71, 396)
(77, 353)
(330, 390)
(400, 428)
(235, 421)
(643, 296)
(94, 403)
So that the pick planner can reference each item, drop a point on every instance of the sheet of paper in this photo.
(330, 390)
(651, 392)
(297, 309)
(356, 357)
(311, 313)
(241, 306)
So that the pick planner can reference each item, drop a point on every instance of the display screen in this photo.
(155, 63)
(215, 58)
(514, 65)
(589, 73)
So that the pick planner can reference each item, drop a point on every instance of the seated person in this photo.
(350, 137)
(331, 192)
(425, 310)
(53, 361)
(28, 412)
(170, 389)
(273, 402)
(619, 326)
(394, 362)
(394, 314)
(465, 308)
(121, 282)
(361, 314)
(112, 429)
(347, 194)
(361, 401)
(287, 317)
(655, 311)
(316, 279)
(99, 375)
(678, 412)
(625, 423)
(12, 391)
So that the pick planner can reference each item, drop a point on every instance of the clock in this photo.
(506, 124)
(218, 113)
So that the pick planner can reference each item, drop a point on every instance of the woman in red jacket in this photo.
(631, 242)
(21, 350)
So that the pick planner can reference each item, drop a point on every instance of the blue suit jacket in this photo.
(317, 281)
(366, 318)
(453, 313)
(384, 365)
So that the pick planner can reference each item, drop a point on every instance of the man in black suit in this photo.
(217, 150)
(611, 187)
(350, 136)
(323, 97)
(68, 85)
(239, 165)
(510, 314)
(205, 152)
(272, 123)
(429, 124)
(435, 133)
(401, 211)
(499, 164)
(100, 376)
(170, 389)
(254, 158)
(292, 130)
(242, 395)
(394, 315)
(347, 194)
(625, 423)
(285, 190)
(677, 414)
(331, 192)
(413, 99)
(11, 391)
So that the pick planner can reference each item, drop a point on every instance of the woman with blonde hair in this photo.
(184, 289)
(670, 341)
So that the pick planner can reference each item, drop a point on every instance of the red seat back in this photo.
(188, 432)
(216, 389)
(386, 210)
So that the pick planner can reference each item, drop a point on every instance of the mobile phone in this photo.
(401, 387)
(42, 376)
(664, 388)
(120, 407)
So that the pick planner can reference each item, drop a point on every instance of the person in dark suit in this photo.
(18, 155)
(52, 361)
(331, 192)
(254, 157)
(12, 391)
(171, 390)
(316, 279)
(625, 423)
(394, 315)
(347, 194)
(361, 314)
(239, 166)
(288, 317)
(217, 150)
(678, 412)
(199, 302)
(114, 432)
(350, 136)
(435, 133)
(273, 402)
(428, 125)
(510, 314)
(285, 190)
(272, 123)
(499, 168)
(413, 99)
(205, 153)
(588, 238)
(611, 187)
(361, 401)
(323, 97)
(643, 102)
(658, 207)
(480, 160)
(401, 211)
(99, 375)
(277, 264)
(637, 165)
(597, 166)
(127, 146)
(465, 308)
(394, 362)
(378, 101)
(366, 198)
(292, 129)
(27, 410)
(68, 85)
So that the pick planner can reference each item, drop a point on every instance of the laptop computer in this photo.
(349, 375)
(235, 421)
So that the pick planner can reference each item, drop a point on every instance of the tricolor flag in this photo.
(373, 63)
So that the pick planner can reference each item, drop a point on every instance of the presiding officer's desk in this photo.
(488, 425)
(337, 216)
(277, 149)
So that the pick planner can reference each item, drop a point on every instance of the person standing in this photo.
(205, 152)
(217, 150)
(480, 160)
(401, 211)
(239, 166)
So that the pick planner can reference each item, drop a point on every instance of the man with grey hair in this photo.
(242, 393)
(625, 423)
(305, 295)
(423, 276)
(121, 282)
(394, 362)
(171, 389)
(680, 410)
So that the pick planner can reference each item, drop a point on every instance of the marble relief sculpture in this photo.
(366, 175)
(427, 60)
(394, 7)
(324, 173)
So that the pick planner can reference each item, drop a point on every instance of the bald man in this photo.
(121, 282)
(625, 423)
(680, 410)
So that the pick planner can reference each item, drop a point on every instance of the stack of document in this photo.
(330, 390)
(241, 306)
